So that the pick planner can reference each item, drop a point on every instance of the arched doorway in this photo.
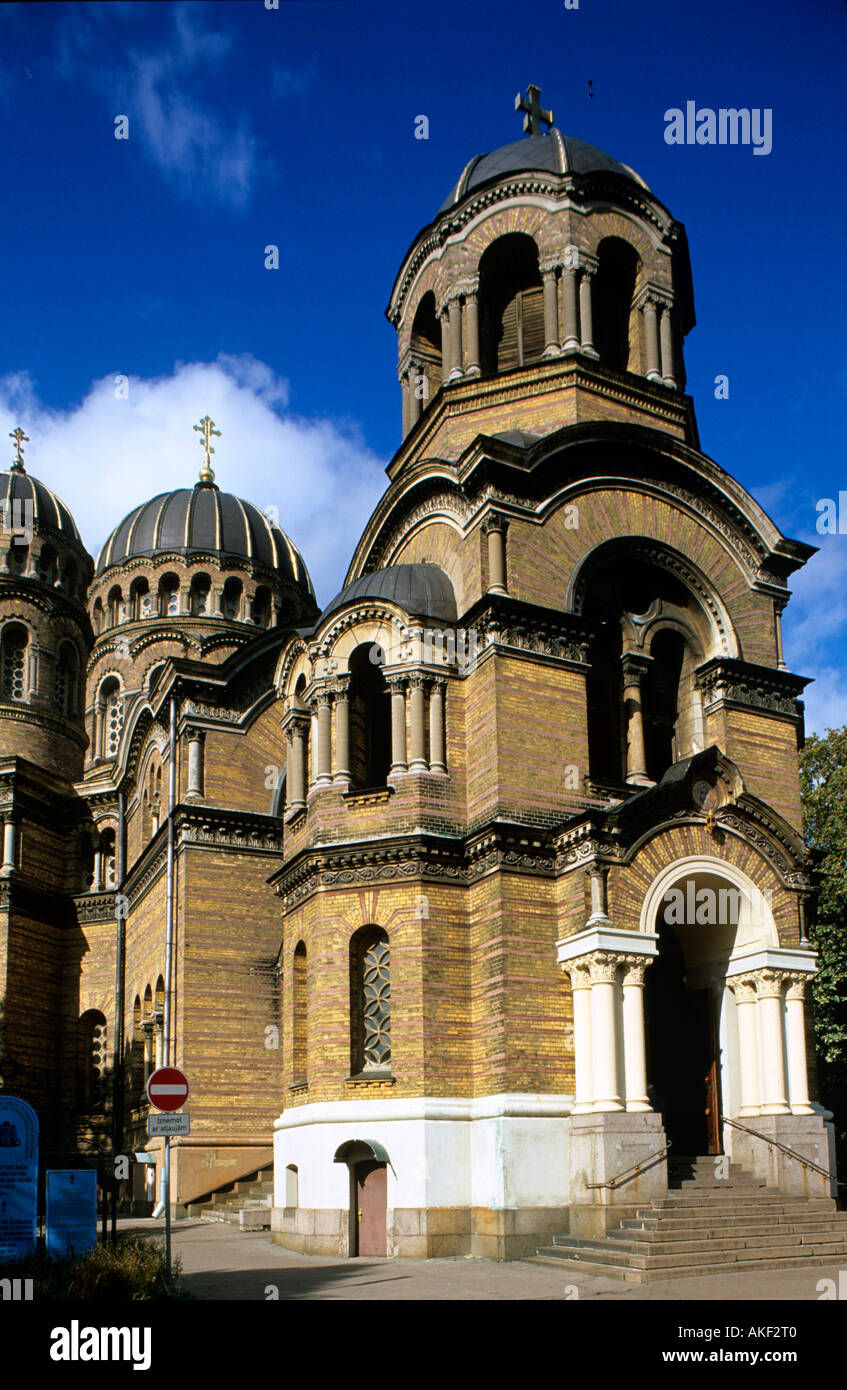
(368, 1163)
(708, 917)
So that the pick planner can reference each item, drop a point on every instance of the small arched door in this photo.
(368, 1163)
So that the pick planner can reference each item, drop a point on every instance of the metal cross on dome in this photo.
(535, 113)
(206, 428)
(20, 438)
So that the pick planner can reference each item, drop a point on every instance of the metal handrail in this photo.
(792, 1153)
(632, 1172)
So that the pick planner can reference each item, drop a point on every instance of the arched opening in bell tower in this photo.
(614, 293)
(511, 305)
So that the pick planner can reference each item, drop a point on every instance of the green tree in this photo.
(823, 781)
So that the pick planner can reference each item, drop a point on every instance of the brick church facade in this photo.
(486, 883)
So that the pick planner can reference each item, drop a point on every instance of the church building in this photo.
(472, 903)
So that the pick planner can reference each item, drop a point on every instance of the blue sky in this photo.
(295, 127)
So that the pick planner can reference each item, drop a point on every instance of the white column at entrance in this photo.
(581, 991)
(795, 1029)
(769, 1012)
(748, 1045)
(604, 1032)
(635, 1058)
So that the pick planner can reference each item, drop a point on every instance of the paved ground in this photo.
(222, 1263)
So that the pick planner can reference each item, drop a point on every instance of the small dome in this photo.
(204, 519)
(422, 590)
(550, 152)
(48, 513)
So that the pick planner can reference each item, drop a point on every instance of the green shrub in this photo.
(132, 1270)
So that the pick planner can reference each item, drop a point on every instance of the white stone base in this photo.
(806, 1134)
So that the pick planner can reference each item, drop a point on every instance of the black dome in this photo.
(551, 152)
(423, 590)
(49, 513)
(207, 520)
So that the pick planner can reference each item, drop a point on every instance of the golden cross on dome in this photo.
(19, 438)
(535, 112)
(207, 428)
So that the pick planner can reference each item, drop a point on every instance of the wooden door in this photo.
(706, 1026)
(371, 1192)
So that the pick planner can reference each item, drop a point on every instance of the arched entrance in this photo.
(708, 916)
(368, 1163)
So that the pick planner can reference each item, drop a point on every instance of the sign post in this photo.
(167, 1089)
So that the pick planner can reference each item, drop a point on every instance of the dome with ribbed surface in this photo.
(27, 496)
(550, 152)
(423, 590)
(203, 520)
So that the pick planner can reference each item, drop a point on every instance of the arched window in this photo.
(92, 1062)
(168, 595)
(68, 581)
(13, 653)
(139, 599)
(370, 1001)
(135, 1057)
(47, 565)
(612, 299)
(97, 616)
(232, 599)
(108, 859)
(300, 1016)
(511, 305)
(66, 686)
(426, 349)
(18, 558)
(110, 718)
(260, 609)
(199, 593)
(661, 703)
(370, 721)
(116, 603)
(292, 1186)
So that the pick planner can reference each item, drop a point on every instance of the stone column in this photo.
(417, 723)
(196, 741)
(748, 1045)
(455, 330)
(635, 1054)
(323, 771)
(97, 881)
(778, 606)
(569, 310)
(651, 339)
(634, 671)
(159, 1036)
(296, 734)
(551, 311)
(405, 391)
(580, 977)
(437, 753)
(396, 685)
(473, 367)
(342, 735)
(446, 345)
(495, 527)
(769, 1017)
(597, 874)
(585, 312)
(604, 1048)
(795, 1029)
(667, 346)
(147, 1032)
(9, 846)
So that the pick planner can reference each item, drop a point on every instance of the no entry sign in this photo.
(167, 1088)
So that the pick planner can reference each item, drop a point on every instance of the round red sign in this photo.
(167, 1088)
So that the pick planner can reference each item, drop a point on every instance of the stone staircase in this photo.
(246, 1203)
(707, 1225)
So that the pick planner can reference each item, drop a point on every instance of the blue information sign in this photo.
(71, 1211)
(18, 1177)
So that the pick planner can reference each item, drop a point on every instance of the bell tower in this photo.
(552, 288)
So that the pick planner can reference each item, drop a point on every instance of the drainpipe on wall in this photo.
(165, 1178)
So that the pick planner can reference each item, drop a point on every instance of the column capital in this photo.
(634, 970)
(494, 521)
(464, 289)
(744, 988)
(295, 722)
(550, 265)
(797, 983)
(604, 967)
(588, 263)
(769, 983)
(322, 697)
(396, 682)
(579, 972)
(655, 297)
(635, 667)
(194, 734)
(417, 680)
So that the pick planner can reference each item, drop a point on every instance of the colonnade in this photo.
(417, 734)
(771, 1014)
(568, 327)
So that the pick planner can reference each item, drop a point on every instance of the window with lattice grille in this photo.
(114, 723)
(13, 665)
(371, 1003)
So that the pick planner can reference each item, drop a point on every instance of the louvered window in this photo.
(522, 330)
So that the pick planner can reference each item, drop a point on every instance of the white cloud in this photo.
(107, 455)
(815, 633)
(188, 140)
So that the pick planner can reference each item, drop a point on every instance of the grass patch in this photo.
(132, 1270)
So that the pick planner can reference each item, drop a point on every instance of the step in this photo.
(645, 1276)
(760, 1240)
(730, 1208)
(654, 1235)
